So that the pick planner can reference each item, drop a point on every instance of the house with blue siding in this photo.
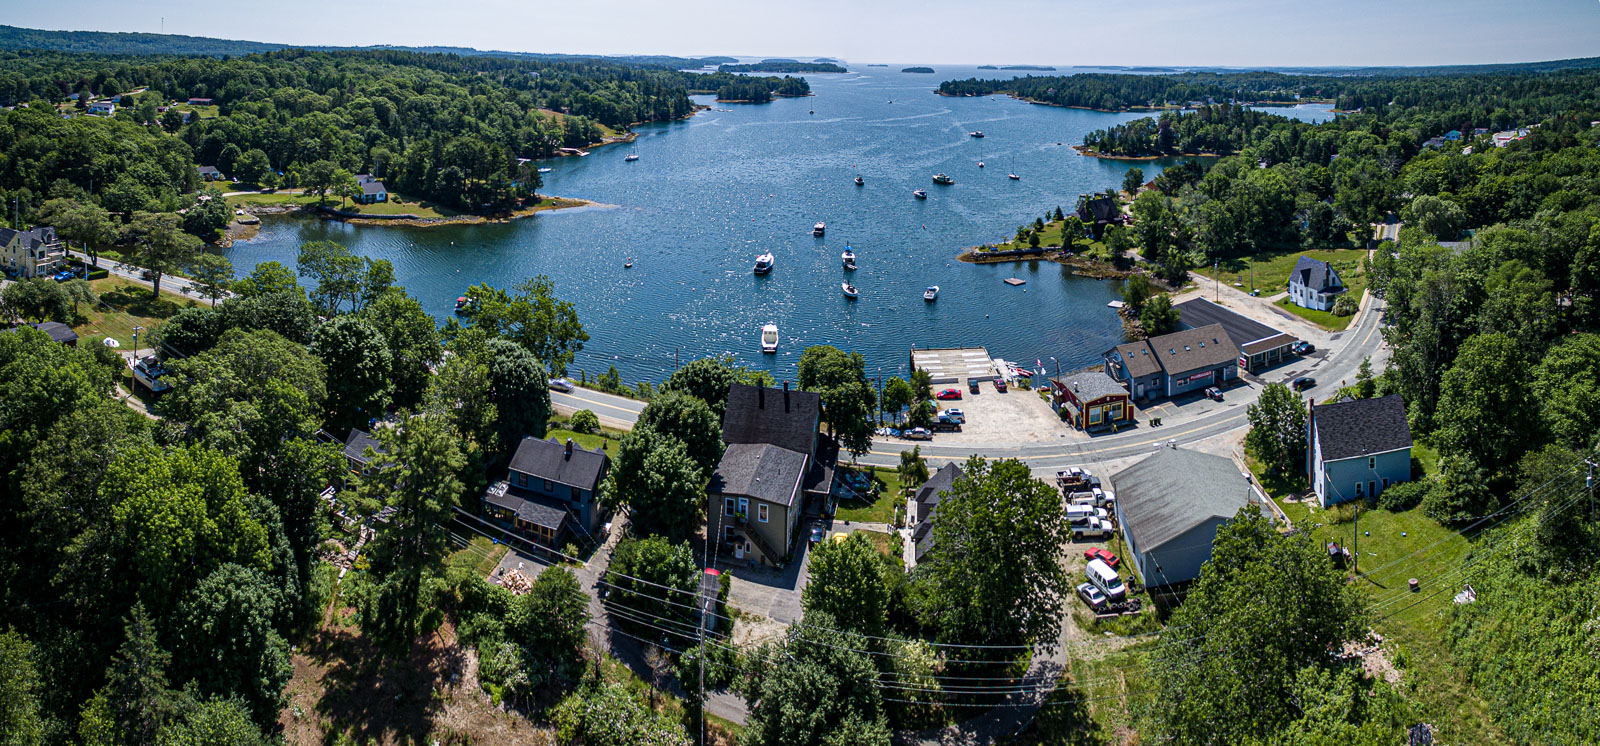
(1358, 447)
(550, 489)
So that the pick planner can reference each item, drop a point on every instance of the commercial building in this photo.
(1169, 507)
(1357, 448)
(1092, 400)
(1172, 364)
(1260, 346)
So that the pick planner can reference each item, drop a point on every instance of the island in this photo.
(1041, 68)
(916, 70)
(774, 66)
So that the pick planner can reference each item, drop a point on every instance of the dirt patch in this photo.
(342, 687)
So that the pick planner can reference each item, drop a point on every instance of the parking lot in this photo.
(1017, 416)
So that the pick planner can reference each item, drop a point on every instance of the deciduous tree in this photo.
(846, 580)
(358, 364)
(1277, 434)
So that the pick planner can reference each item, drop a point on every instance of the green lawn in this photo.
(1052, 236)
(1095, 705)
(1323, 319)
(481, 554)
(591, 442)
(124, 305)
(1271, 270)
(882, 509)
(397, 204)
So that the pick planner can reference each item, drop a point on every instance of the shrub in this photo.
(1399, 498)
(1345, 306)
(584, 421)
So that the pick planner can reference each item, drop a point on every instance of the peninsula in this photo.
(783, 66)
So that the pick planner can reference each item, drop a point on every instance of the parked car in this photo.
(1091, 596)
(1106, 579)
(945, 425)
(1214, 394)
(1000, 385)
(1094, 528)
(948, 394)
(1302, 348)
(816, 535)
(972, 385)
(561, 384)
(955, 414)
(1302, 383)
(918, 433)
(1104, 555)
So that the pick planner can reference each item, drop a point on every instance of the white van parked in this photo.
(1106, 579)
(1080, 514)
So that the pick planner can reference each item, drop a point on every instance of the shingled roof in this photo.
(356, 444)
(761, 471)
(941, 481)
(780, 417)
(1362, 427)
(1089, 385)
(549, 459)
(1174, 490)
(1315, 274)
(1137, 359)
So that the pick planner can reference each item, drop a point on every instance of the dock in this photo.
(1015, 281)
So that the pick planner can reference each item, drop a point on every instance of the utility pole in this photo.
(1355, 557)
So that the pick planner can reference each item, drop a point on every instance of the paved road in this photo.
(1329, 366)
(174, 283)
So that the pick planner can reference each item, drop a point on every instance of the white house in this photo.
(102, 108)
(1313, 284)
(1358, 447)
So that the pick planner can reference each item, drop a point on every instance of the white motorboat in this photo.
(769, 338)
(849, 258)
(764, 263)
(631, 157)
(980, 164)
(849, 290)
(942, 178)
(819, 229)
(860, 181)
(976, 133)
(920, 194)
(931, 294)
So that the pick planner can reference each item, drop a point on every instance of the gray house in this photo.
(355, 450)
(1169, 507)
(1357, 448)
(1173, 364)
(550, 488)
(922, 505)
(1313, 284)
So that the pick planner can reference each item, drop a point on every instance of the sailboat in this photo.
(633, 156)
(1013, 175)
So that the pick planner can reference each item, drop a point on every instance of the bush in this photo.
(1399, 498)
(584, 421)
(1345, 306)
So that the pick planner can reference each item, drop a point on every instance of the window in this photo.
(1358, 489)
(744, 505)
(1372, 487)
(1372, 463)
(1094, 415)
(761, 513)
(727, 506)
(1386, 483)
(577, 495)
(549, 486)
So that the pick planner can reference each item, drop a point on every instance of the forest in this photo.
(440, 127)
(782, 66)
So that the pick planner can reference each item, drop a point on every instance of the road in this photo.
(1330, 367)
(173, 283)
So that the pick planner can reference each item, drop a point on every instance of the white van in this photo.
(1080, 514)
(1106, 579)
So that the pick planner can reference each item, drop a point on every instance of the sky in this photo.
(1051, 32)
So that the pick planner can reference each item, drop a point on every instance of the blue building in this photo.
(551, 488)
(1358, 447)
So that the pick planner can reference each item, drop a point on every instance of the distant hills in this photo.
(782, 66)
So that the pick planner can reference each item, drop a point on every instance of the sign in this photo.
(1201, 376)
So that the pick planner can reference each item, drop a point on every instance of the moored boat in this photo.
(763, 263)
(860, 181)
(942, 178)
(849, 258)
(931, 294)
(769, 338)
(463, 304)
(976, 133)
(819, 229)
(920, 194)
(849, 290)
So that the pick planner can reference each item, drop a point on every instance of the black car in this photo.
(1302, 383)
(1303, 348)
(972, 385)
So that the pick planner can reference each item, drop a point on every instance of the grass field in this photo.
(397, 204)
(1324, 319)
(481, 554)
(123, 305)
(880, 510)
(603, 441)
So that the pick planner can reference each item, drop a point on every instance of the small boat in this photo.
(931, 294)
(812, 111)
(976, 133)
(940, 178)
(819, 229)
(920, 194)
(769, 338)
(631, 157)
(628, 264)
(980, 164)
(1013, 177)
(860, 181)
(463, 303)
(764, 263)
(545, 169)
(849, 290)
(849, 258)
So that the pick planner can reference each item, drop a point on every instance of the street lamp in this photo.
(1058, 366)
(136, 331)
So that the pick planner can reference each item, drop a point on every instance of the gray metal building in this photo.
(1169, 507)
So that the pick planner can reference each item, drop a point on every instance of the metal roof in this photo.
(1174, 490)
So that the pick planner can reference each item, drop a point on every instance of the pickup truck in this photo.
(1095, 528)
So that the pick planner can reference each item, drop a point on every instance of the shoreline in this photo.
(237, 231)
(1087, 152)
(1164, 107)
(1082, 266)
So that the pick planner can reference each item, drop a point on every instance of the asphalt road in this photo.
(1328, 366)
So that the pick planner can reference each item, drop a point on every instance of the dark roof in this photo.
(1174, 490)
(1273, 342)
(1315, 274)
(1089, 385)
(1362, 427)
(1137, 359)
(535, 509)
(761, 471)
(58, 331)
(549, 459)
(32, 238)
(1099, 210)
(1197, 312)
(356, 444)
(941, 481)
(373, 187)
(780, 417)
(1193, 349)
(820, 477)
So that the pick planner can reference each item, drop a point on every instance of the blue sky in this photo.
(1057, 32)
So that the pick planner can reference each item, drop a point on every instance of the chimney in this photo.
(785, 396)
(761, 397)
(569, 448)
